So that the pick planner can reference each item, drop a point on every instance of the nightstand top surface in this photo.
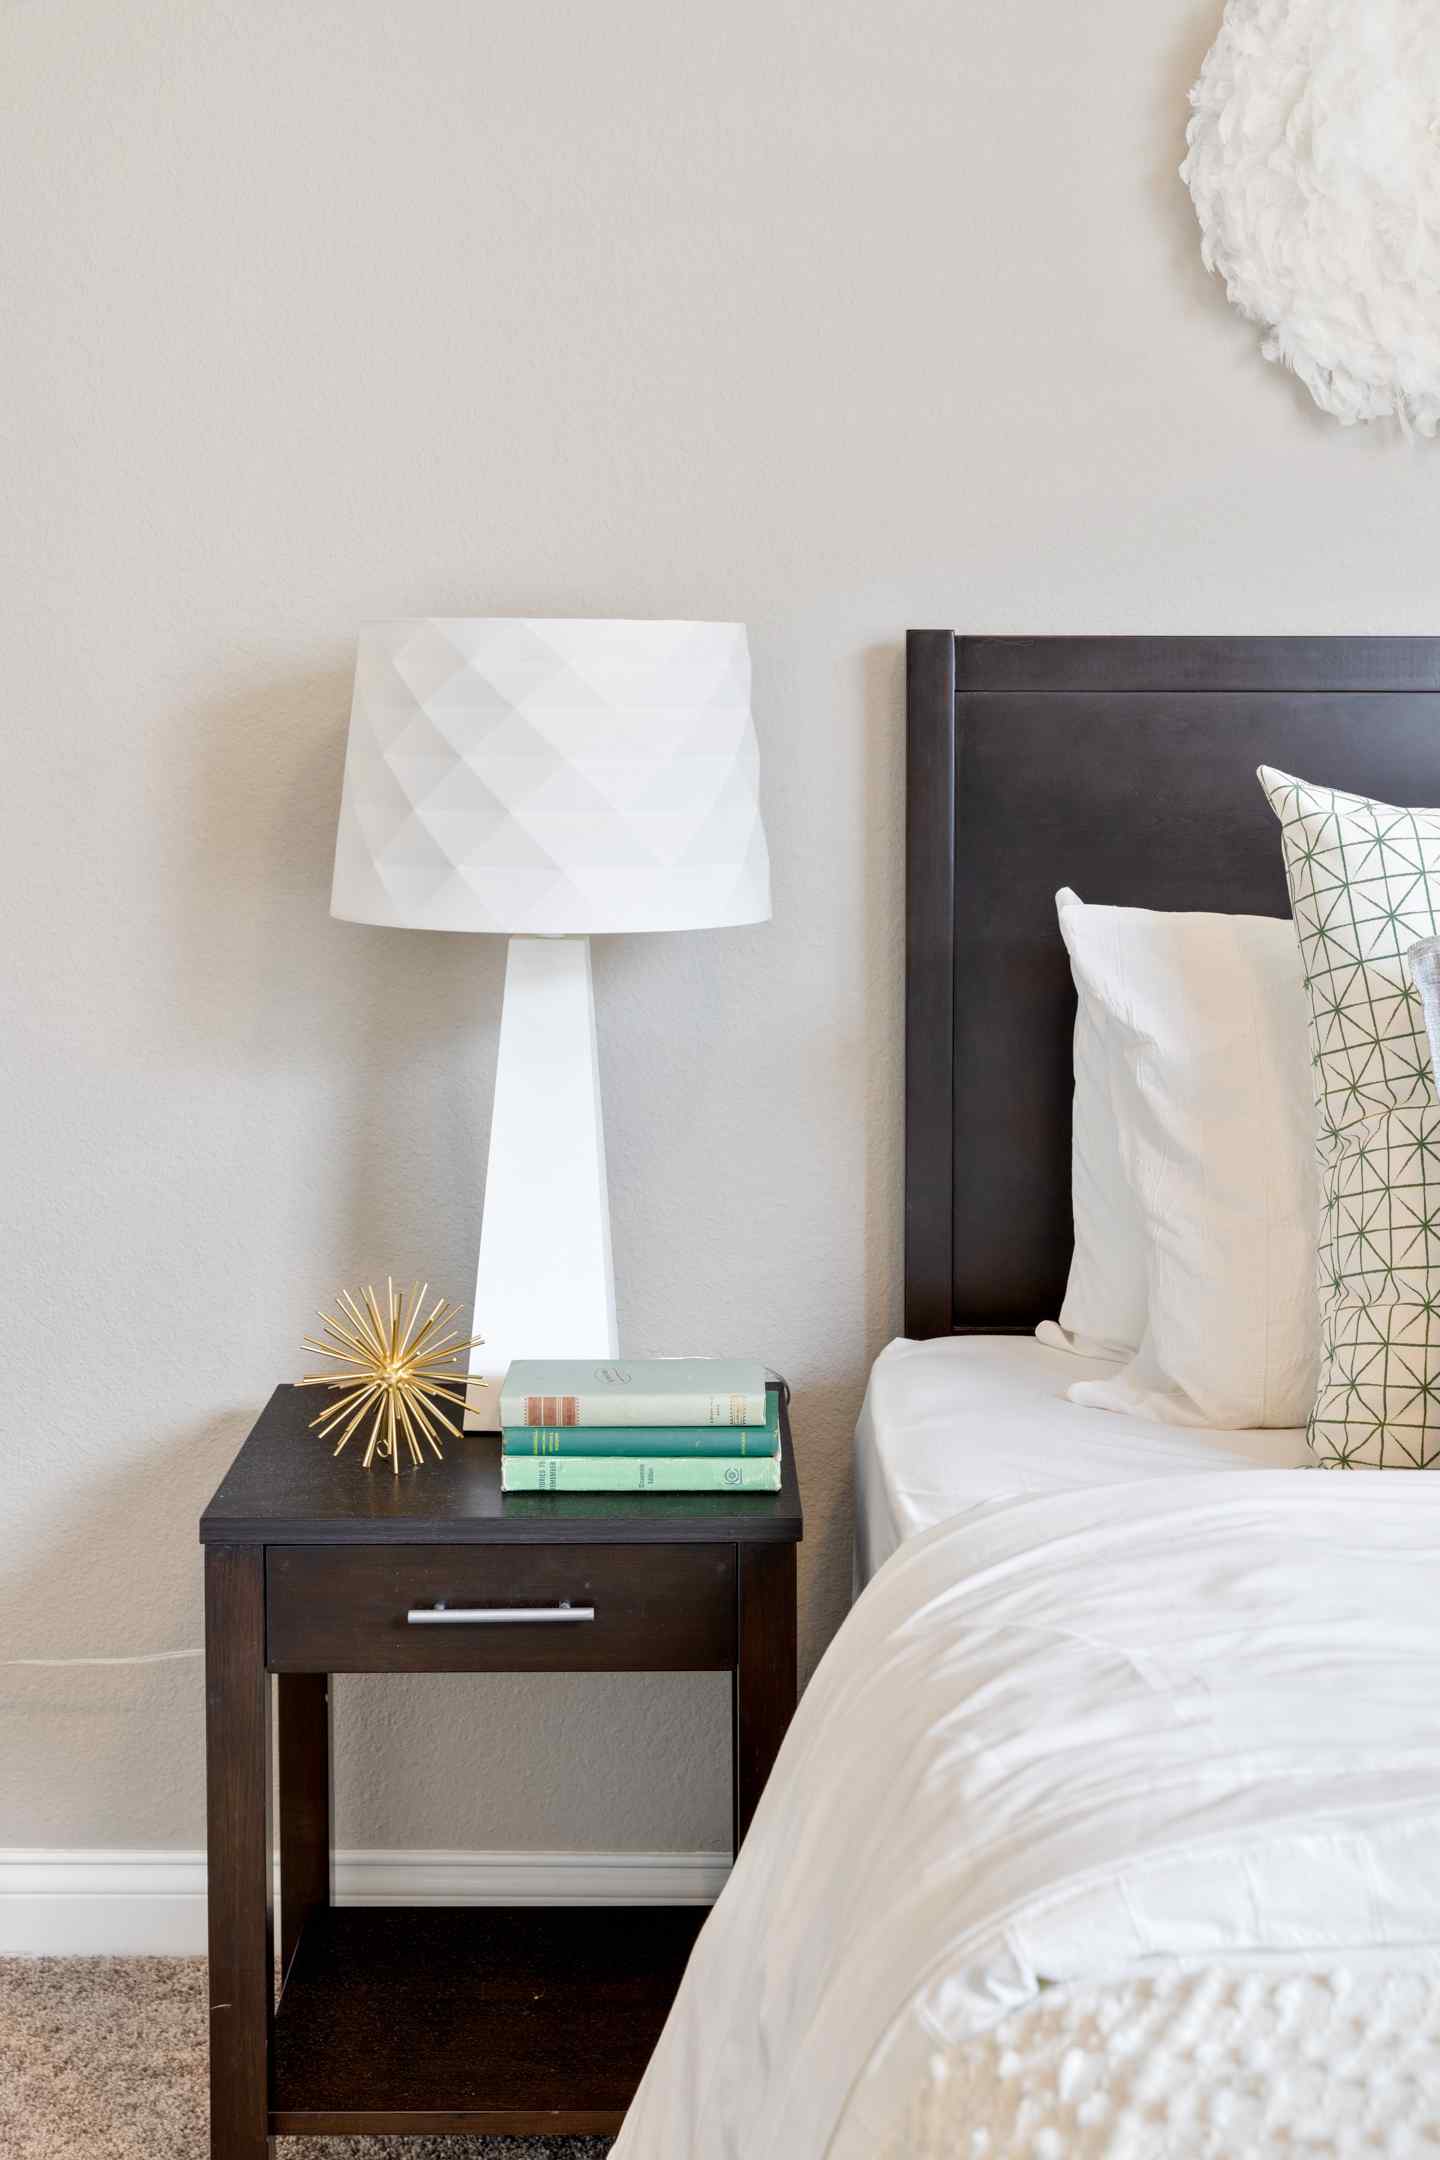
(285, 1488)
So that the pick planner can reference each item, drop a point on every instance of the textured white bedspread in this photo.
(1067, 1737)
(1212, 2064)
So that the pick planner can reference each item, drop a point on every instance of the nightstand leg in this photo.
(303, 1726)
(764, 1687)
(237, 1770)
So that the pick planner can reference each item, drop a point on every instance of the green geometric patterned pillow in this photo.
(1377, 1401)
(1364, 882)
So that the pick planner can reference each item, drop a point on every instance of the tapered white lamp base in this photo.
(546, 1284)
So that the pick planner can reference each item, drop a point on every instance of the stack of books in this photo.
(643, 1425)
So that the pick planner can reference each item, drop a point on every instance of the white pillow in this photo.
(1103, 1315)
(1204, 1020)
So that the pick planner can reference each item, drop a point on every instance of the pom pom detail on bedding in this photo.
(1314, 168)
(1198, 2061)
(1364, 880)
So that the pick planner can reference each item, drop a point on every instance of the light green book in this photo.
(633, 1391)
(639, 1473)
(668, 1440)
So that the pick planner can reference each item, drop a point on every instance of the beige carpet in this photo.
(104, 2059)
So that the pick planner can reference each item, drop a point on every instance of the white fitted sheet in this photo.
(971, 1419)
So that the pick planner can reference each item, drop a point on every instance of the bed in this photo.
(1110, 1823)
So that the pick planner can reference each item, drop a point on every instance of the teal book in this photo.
(633, 1391)
(678, 1442)
(639, 1473)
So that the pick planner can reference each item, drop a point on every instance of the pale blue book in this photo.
(556, 1392)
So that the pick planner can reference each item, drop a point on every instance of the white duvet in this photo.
(1068, 1738)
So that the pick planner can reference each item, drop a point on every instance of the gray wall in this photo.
(830, 316)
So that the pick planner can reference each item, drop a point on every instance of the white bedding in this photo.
(1065, 1738)
(970, 1419)
(1212, 2063)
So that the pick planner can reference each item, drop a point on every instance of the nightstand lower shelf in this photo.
(492, 2020)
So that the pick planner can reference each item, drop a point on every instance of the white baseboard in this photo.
(70, 1903)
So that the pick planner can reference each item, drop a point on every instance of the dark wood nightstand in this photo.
(499, 2020)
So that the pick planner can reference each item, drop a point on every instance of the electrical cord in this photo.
(146, 1657)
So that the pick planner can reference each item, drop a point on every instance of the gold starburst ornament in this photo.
(399, 1366)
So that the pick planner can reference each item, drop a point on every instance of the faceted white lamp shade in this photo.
(548, 779)
(551, 779)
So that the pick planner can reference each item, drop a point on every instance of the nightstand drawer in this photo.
(553, 1608)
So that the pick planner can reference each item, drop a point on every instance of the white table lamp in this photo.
(546, 780)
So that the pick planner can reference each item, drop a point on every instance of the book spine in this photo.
(613, 1408)
(678, 1441)
(639, 1473)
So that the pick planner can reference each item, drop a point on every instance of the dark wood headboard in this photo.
(1124, 767)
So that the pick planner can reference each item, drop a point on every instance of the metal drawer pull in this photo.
(494, 1615)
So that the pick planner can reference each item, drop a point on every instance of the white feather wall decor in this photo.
(1314, 167)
